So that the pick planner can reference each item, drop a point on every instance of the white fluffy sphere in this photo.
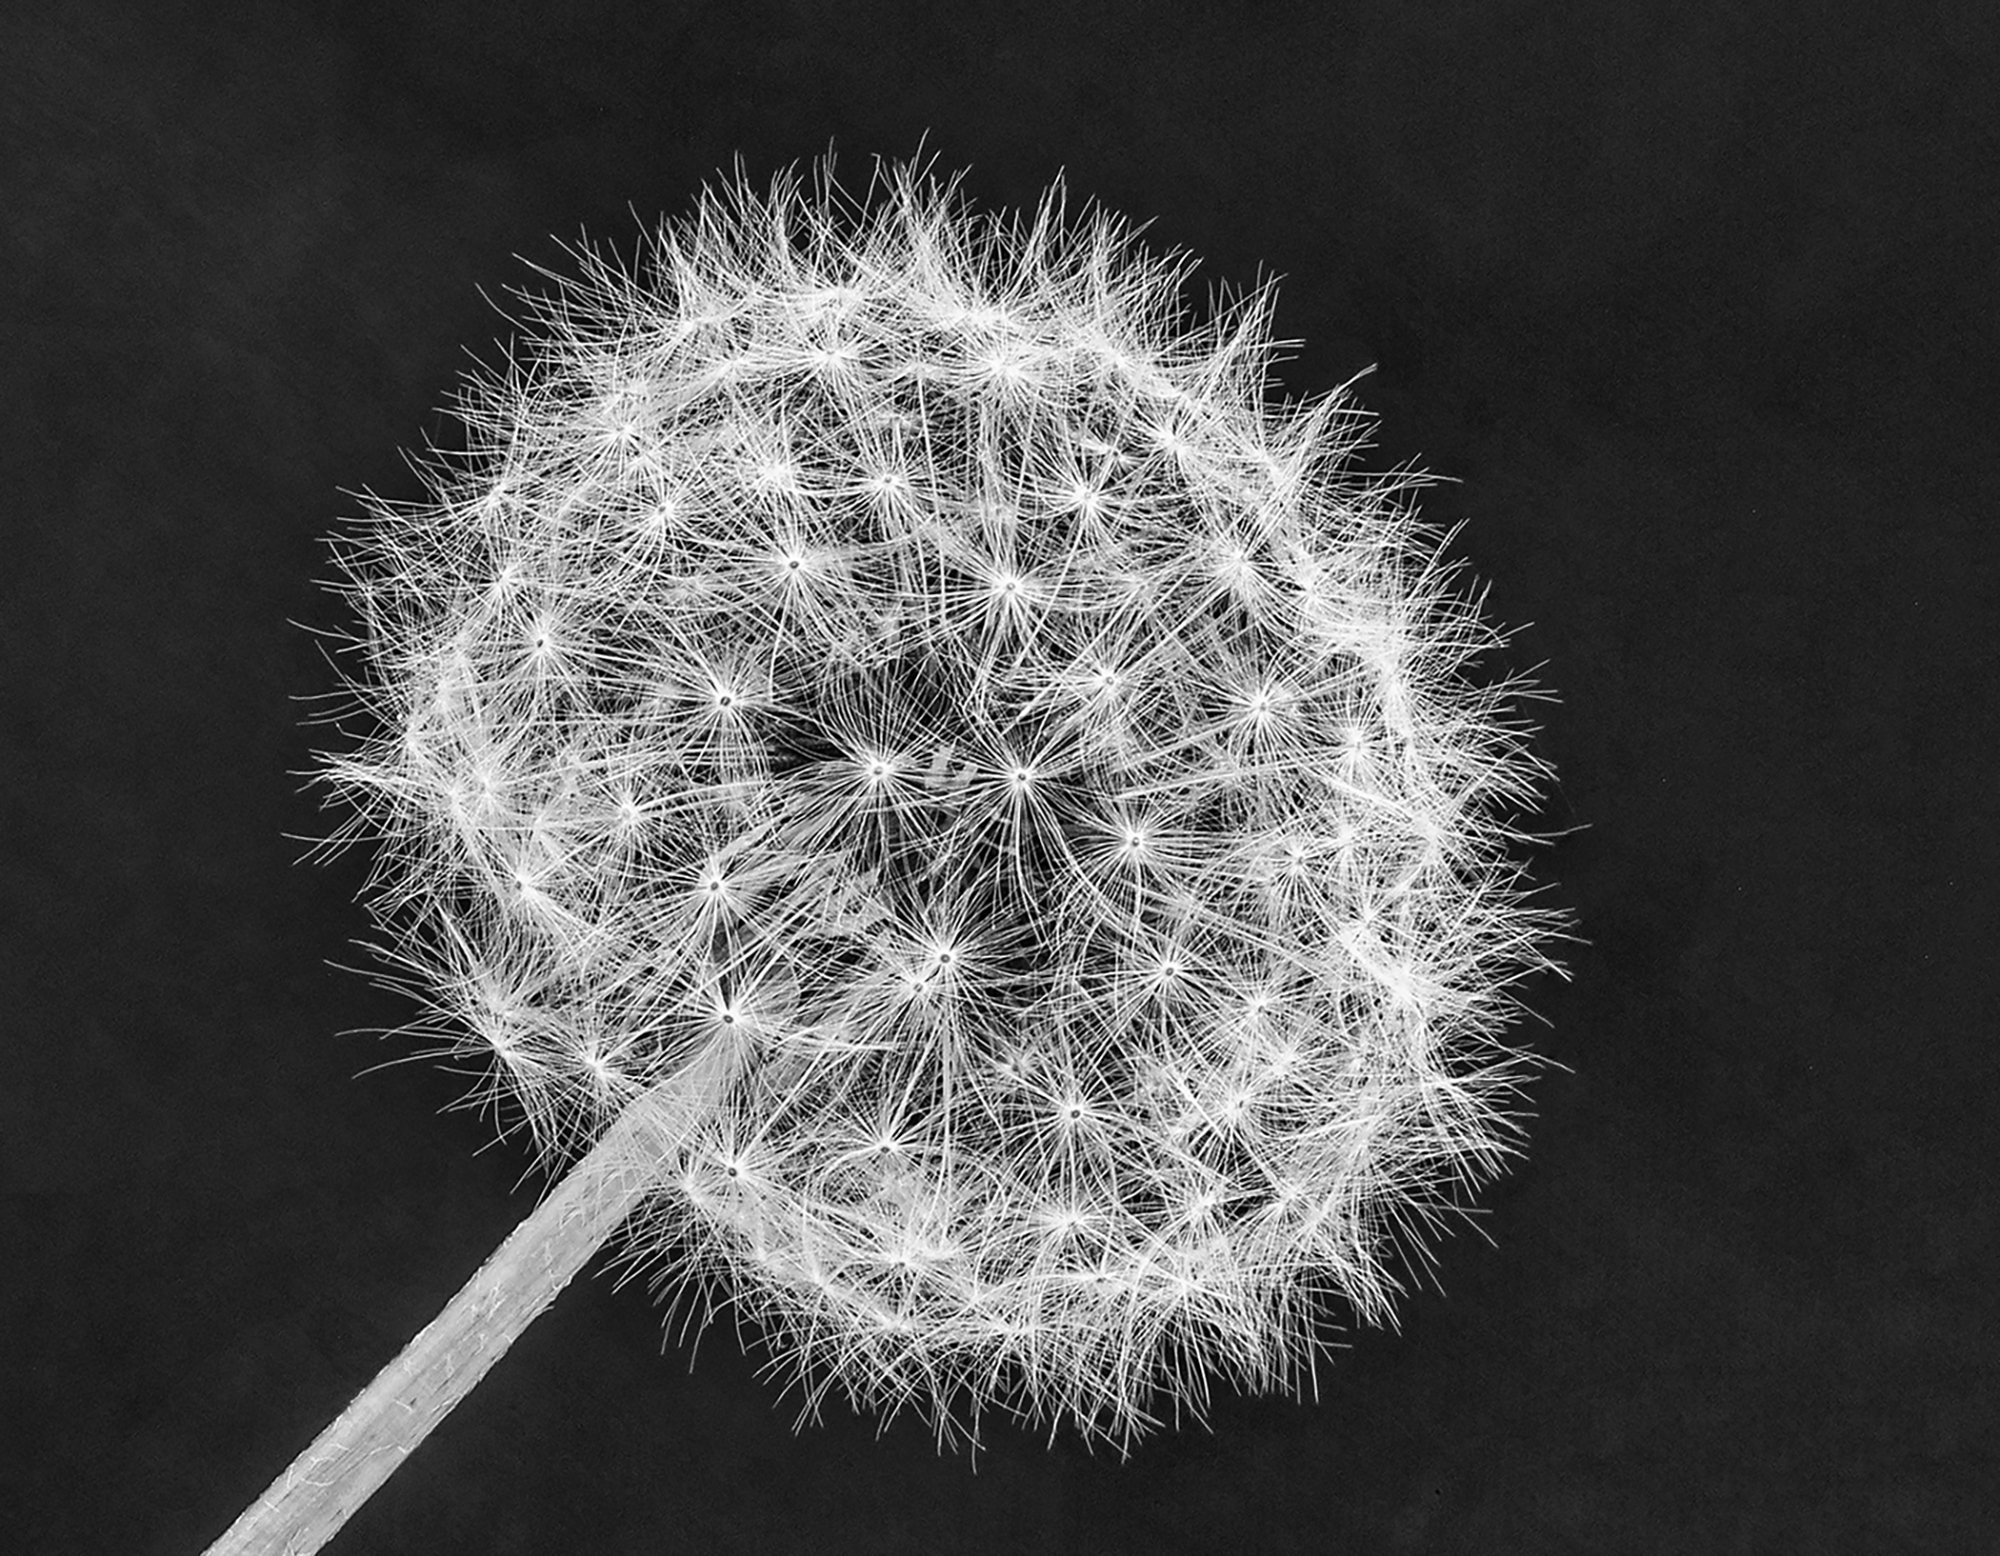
(904, 652)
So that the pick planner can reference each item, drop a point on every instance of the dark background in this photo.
(1695, 300)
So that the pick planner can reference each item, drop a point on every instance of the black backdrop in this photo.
(1694, 300)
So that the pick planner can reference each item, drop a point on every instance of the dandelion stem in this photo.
(306, 1506)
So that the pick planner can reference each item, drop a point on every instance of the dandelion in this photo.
(954, 811)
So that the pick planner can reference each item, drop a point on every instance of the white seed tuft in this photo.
(906, 642)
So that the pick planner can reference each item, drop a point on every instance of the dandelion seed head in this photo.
(908, 647)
